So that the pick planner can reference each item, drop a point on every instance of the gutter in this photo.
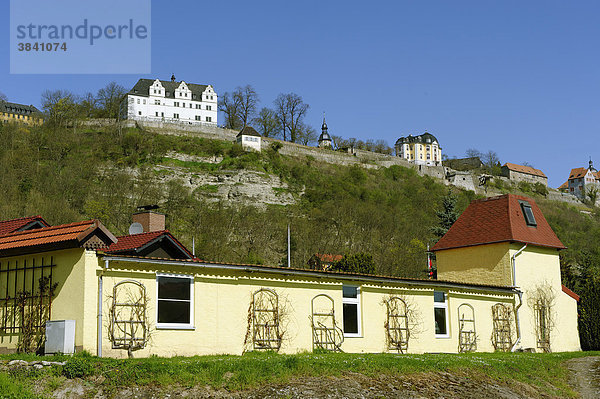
(106, 261)
(520, 294)
(309, 273)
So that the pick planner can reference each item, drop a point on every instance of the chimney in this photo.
(150, 220)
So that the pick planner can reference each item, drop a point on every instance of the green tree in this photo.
(589, 314)
(447, 215)
(357, 263)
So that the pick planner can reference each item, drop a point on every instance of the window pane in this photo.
(529, 218)
(351, 318)
(439, 296)
(173, 288)
(440, 320)
(173, 312)
(350, 292)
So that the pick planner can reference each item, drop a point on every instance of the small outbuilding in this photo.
(524, 173)
(249, 139)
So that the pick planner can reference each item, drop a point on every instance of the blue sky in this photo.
(520, 78)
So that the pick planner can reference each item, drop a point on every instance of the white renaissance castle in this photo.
(163, 101)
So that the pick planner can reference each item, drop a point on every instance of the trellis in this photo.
(542, 325)
(128, 328)
(396, 326)
(264, 319)
(26, 291)
(325, 331)
(502, 334)
(467, 338)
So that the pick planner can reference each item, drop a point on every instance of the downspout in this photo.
(520, 293)
(100, 308)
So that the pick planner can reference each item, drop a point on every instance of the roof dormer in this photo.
(157, 89)
(183, 91)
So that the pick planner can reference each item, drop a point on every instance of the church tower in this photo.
(325, 139)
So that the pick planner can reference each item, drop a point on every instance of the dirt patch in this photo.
(349, 385)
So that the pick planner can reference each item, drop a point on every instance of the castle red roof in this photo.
(524, 169)
(499, 219)
(329, 258)
(577, 172)
(12, 225)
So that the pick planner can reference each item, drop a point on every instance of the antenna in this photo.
(136, 228)
(289, 251)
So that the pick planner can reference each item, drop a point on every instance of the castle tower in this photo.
(324, 139)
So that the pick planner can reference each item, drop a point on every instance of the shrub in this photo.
(78, 367)
(524, 186)
(540, 189)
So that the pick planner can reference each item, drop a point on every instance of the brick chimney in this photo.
(150, 221)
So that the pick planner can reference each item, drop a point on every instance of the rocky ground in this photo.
(422, 385)
(585, 376)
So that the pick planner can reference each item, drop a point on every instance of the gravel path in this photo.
(585, 376)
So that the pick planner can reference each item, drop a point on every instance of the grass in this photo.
(545, 372)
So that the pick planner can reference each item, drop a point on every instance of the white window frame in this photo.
(176, 326)
(440, 305)
(354, 301)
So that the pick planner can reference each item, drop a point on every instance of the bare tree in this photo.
(290, 110)
(229, 105)
(490, 159)
(307, 135)
(267, 123)
(88, 105)
(3, 97)
(473, 153)
(59, 105)
(338, 142)
(109, 99)
(247, 101)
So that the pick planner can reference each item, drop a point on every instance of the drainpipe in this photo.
(100, 308)
(520, 293)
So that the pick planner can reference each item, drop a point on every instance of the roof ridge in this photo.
(144, 233)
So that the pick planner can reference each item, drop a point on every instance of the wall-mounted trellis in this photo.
(128, 323)
(325, 331)
(264, 320)
(467, 338)
(543, 323)
(26, 291)
(396, 326)
(502, 336)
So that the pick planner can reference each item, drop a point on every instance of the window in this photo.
(190, 105)
(176, 116)
(144, 102)
(156, 113)
(208, 107)
(138, 100)
(198, 118)
(351, 302)
(183, 105)
(198, 106)
(162, 114)
(139, 112)
(156, 102)
(208, 119)
(528, 213)
(175, 308)
(176, 104)
(440, 314)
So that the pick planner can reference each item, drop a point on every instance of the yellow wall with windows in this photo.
(9, 117)
(222, 300)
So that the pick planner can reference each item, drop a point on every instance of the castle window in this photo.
(528, 213)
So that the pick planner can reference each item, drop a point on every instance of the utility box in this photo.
(60, 336)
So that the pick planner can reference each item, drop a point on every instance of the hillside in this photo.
(237, 205)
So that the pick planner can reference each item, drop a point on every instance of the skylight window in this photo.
(528, 213)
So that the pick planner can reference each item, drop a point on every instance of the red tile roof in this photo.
(577, 172)
(72, 232)
(135, 241)
(524, 169)
(570, 293)
(329, 258)
(498, 219)
(564, 186)
(10, 226)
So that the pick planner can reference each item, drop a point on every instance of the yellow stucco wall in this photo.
(71, 300)
(480, 264)
(9, 117)
(222, 299)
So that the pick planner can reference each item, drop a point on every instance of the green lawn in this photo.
(543, 371)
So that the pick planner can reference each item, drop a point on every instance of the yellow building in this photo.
(19, 113)
(421, 150)
(146, 292)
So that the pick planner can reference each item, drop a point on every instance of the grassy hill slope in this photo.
(68, 175)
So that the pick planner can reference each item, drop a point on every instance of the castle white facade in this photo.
(164, 101)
